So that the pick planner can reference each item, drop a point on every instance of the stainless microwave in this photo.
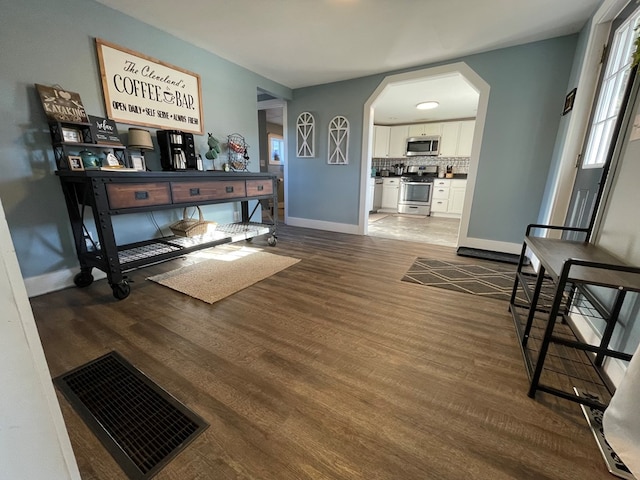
(423, 145)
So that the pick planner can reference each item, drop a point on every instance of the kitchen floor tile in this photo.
(433, 230)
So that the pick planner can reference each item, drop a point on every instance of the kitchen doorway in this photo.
(441, 227)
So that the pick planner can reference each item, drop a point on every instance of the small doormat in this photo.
(594, 418)
(141, 425)
(487, 279)
(489, 255)
(227, 272)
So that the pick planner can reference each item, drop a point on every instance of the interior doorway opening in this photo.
(441, 228)
(272, 138)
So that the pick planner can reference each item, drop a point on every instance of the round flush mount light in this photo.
(427, 105)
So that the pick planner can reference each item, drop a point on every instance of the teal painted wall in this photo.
(528, 85)
(53, 43)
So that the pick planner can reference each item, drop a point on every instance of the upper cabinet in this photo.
(381, 141)
(465, 141)
(398, 141)
(425, 129)
(449, 139)
(390, 142)
(456, 138)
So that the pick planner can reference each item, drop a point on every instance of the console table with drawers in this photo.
(109, 193)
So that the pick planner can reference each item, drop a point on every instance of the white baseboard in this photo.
(491, 245)
(613, 367)
(322, 225)
(446, 215)
(50, 282)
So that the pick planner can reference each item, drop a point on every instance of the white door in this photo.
(611, 101)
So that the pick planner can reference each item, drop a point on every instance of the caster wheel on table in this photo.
(121, 290)
(248, 240)
(272, 241)
(83, 279)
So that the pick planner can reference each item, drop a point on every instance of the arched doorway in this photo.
(477, 84)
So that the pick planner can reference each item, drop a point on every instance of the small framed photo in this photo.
(71, 135)
(568, 102)
(112, 161)
(137, 162)
(75, 162)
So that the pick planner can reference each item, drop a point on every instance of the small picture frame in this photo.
(112, 161)
(71, 135)
(137, 162)
(568, 102)
(75, 162)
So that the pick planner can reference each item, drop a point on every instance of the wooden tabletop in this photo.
(554, 253)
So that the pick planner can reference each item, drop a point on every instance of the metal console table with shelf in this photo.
(110, 193)
(541, 306)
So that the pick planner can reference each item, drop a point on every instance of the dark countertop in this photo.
(456, 176)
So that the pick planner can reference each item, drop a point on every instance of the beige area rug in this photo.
(224, 272)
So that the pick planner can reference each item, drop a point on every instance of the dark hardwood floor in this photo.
(330, 369)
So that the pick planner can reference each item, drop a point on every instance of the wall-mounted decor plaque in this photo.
(141, 90)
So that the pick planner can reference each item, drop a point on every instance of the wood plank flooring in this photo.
(331, 369)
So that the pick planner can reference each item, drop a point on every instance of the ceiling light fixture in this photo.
(427, 105)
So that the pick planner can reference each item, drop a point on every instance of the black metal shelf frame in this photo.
(554, 353)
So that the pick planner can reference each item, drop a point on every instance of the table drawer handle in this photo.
(260, 188)
(229, 189)
(194, 192)
(141, 195)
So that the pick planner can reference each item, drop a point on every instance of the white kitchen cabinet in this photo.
(381, 141)
(390, 191)
(440, 196)
(377, 195)
(448, 197)
(370, 192)
(425, 129)
(398, 141)
(449, 139)
(465, 140)
(456, 196)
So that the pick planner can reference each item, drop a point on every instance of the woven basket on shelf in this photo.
(190, 227)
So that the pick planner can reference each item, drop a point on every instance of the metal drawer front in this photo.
(186, 192)
(131, 195)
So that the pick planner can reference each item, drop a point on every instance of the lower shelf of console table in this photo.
(109, 194)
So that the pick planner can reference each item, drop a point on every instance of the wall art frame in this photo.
(142, 90)
(568, 102)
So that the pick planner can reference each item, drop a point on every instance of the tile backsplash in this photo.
(459, 164)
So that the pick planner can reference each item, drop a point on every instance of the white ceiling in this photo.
(397, 103)
(300, 43)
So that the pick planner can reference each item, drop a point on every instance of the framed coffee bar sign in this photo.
(141, 90)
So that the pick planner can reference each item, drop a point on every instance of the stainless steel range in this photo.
(416, 192)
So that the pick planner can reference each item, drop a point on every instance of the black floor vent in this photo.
(138, 422)
(489, 255)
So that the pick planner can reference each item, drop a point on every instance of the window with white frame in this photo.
(611, 94)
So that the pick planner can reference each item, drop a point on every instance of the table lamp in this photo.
(140, 139)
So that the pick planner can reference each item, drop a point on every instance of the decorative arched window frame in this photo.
(338, 141)
(305, 135)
